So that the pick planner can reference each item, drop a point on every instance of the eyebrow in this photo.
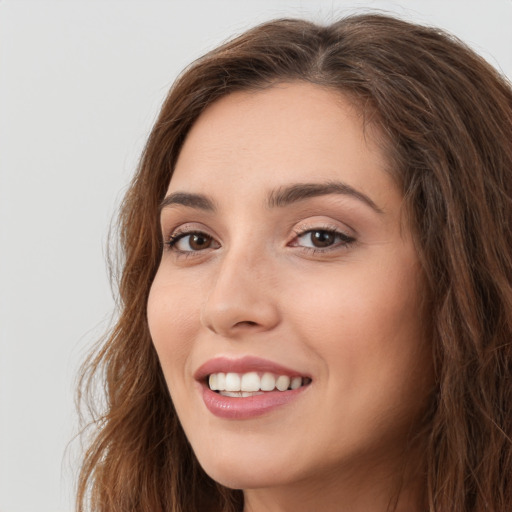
(301, 191)
(199, 201)
(278, 198)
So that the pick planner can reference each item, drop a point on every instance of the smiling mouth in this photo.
(241, 385)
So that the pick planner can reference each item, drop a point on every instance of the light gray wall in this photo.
(80, 84)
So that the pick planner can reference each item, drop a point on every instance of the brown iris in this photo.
(199, 241)
(322, 238)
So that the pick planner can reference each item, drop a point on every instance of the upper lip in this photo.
(243, 365)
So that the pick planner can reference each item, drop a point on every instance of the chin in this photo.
(244, 480)
(241, 472)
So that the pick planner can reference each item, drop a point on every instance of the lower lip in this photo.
(239, 408)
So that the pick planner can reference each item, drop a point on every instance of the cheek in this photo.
(172, 324)
(368, 328)
(360, 306)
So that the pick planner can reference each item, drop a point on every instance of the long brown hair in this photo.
(446, 120)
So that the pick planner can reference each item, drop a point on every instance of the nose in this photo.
(242, 298)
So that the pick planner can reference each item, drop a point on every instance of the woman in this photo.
(316, 303)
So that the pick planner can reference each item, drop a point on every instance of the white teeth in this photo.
(212, 382)
(296, 382)
(248, 384)
(221, 381)
(268, 382)
(232, 382)
(283, 382)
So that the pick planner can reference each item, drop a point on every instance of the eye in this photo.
(191, 242)
(322, 239)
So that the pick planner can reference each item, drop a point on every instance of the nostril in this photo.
(246, 322)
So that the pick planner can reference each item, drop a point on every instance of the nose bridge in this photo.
(242, 293)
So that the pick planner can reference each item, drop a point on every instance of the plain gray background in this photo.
(80, 85)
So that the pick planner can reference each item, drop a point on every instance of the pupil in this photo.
(199, 241)
(323, 238)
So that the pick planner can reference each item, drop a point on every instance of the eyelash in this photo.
(344, 240)
(175, 237)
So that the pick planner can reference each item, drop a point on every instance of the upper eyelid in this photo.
(174, 238)
(306, 226)
(298, 228)
(344, 236)
(328, 230)
(173, 234)
(186, 228)
(317, 227)
(177, 235)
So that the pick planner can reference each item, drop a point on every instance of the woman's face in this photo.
(286, 264)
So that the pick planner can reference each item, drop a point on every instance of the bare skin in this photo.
(326, 283)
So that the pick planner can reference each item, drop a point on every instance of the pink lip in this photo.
(243, 365)
(251, 406)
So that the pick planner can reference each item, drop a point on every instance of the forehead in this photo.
(289, 132)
